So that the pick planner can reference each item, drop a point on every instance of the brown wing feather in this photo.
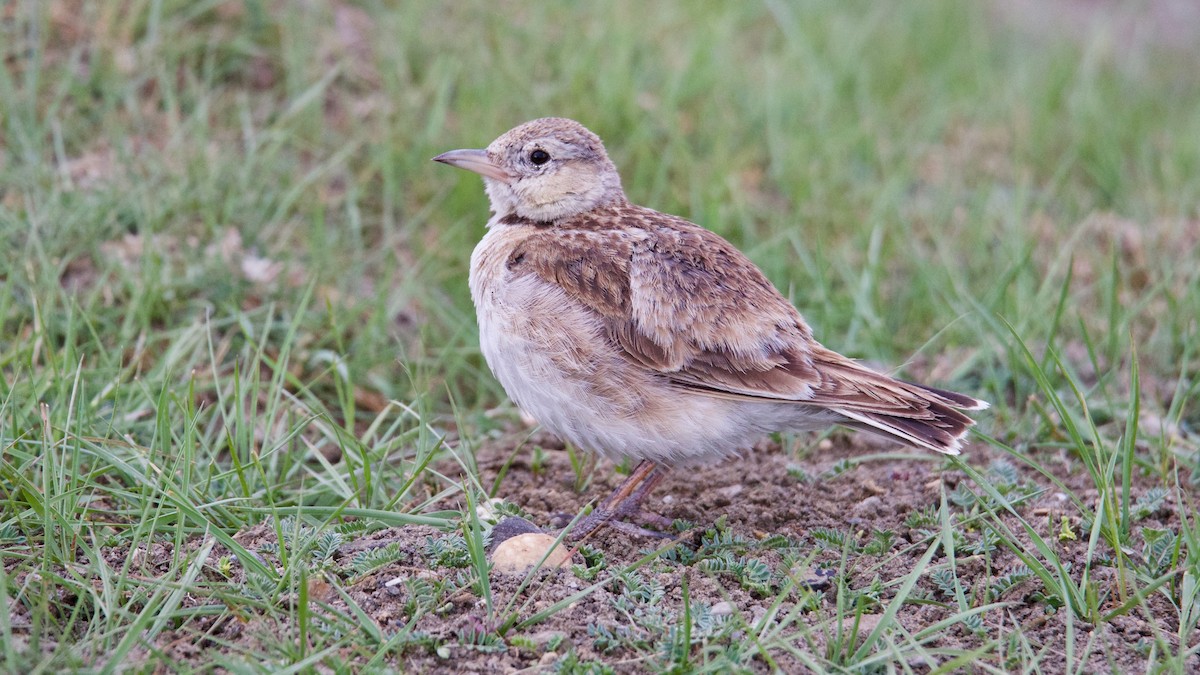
(679, 300)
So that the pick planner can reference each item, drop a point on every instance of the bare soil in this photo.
(763, 498)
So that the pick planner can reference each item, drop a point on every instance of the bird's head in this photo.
(544, 170)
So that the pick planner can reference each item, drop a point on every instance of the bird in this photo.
(642, 336)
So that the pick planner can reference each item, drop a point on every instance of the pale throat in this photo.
(552, 198)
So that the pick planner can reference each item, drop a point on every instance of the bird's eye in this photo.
(539, 157)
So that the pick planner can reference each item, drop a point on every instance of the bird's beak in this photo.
(474, 160)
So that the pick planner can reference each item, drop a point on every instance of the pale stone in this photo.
(518, 554)
(723, 608)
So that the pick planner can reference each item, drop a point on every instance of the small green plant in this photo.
(1159, 549)
(987, 542)
(404, 640)
(840, 467)
(582, 464)
(325, 547)
(1150, 502)
(922, 518)
(799, 474)
(641, 590)
(880, 543)
(448, 550)
(225, 566)
(359, 527)
(605, 639)
(832, 539)
(945, 581)
(366, 562)
(1002, 585)
(537, 461)
(477, 638)
(593, 563)
(421, 596)
(867, 597)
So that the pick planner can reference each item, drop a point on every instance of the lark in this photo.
(640, 335)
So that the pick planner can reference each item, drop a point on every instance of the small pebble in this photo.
(731, 491)
(870, 506)
(487, 510)
(723, 608)
(518, 554)
(757, 614)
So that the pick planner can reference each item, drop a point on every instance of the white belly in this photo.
(554, 360)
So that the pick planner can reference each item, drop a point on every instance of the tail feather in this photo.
(943, 433)
(953, 398)
(913, 414)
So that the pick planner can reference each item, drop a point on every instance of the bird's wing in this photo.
(681, 301)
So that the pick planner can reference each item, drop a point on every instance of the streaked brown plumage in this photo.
(638, 334)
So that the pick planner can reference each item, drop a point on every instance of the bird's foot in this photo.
(631, 511)
(620, 520)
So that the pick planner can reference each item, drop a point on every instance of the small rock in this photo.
(868, 507)
(487, 510)
(518, 554)
(509, 528)
(731, 491)
(757, 614)
(547, 659)
(825, 445)
(723, 608)
(319, 590)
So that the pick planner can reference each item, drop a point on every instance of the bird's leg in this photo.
(631, 486)
(631, 507)
(625, 502)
